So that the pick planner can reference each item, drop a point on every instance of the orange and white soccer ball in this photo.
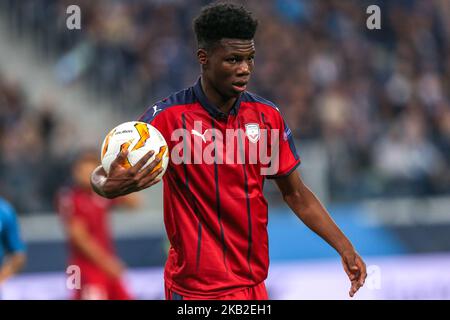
(139, 138)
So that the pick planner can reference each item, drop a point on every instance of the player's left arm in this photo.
(310, 210)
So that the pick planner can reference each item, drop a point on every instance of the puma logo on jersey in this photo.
(155, 110)
(198, 134)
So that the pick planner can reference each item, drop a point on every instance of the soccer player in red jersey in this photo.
(85, 218)
(215, 212)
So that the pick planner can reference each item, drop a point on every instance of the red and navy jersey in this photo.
(215, 212)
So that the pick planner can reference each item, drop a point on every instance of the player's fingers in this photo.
(148, 180)
(154, 182)
(346, 269)
(121, 158)
(130, 189)
(362, 279)
(150, 168)
(148, 184)
(354, 273)
(351, 292)
(354, 288)
(360, 270)
(363, 274)
(138, 166)
(137, 183)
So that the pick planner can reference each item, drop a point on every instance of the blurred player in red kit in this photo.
(85, 218)
(215, 213)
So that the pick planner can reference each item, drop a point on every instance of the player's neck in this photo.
(214, 97)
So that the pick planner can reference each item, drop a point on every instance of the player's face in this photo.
(230, 65)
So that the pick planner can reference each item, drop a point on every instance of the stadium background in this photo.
(369, 108)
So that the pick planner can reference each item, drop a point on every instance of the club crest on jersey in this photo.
(252, 132)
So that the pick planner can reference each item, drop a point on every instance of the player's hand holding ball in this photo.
(135, 156)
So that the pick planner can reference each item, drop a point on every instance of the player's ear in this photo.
(202, 56)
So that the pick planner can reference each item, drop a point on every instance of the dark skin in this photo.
(226, 70)
(121, 181)
(314, 215)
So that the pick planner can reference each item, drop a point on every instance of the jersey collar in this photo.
(212, 109)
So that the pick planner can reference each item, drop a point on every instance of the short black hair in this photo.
(223, 20)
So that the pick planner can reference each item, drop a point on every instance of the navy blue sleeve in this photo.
(150, 113)
(182, 97)
(287, 158)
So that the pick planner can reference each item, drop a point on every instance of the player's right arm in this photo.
(121, 181)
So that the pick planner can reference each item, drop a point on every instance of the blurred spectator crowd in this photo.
(377, 100)
(34, 149)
